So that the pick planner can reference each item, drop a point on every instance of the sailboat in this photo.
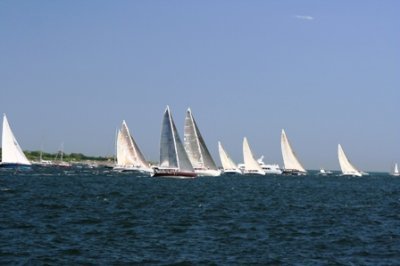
(229, 167)
(251, 166)
(396, 170)
(290, 161)
(60, 162)
(269, 169)
(174, 161)
(129, 156)
(12, 154)
(196, 149)
(345, 165)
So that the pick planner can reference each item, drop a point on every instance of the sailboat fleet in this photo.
(187, 159)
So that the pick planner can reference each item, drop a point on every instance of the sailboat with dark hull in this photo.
(174, 161)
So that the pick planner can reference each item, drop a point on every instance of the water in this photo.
(94, 216)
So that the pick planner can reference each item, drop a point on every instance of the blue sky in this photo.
(325, 71)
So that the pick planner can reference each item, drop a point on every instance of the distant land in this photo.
(71, 157)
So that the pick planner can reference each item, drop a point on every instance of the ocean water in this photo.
(98, 217)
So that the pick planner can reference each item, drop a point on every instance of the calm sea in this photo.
(95, 216)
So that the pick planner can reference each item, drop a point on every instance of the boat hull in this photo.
(232, 172)
(15, 165)
(293, 172)
(207, 172)
(175, 173)
(133, 170)
(253, 172)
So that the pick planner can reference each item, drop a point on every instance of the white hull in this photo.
(207, 172)
(324, 172)
(253, 172)
(293, 172)
(122, 168)
(271, 169)
(358, 174)
(232, 172)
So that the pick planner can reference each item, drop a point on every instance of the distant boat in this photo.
(269, 169)
(44, 162)
(395, 170)
(129, 156)
(324, 172)
(60, 161)
(12, 154)
(251, 166)
(174, 162)
(229, 167)
(290, 161)
(196, 149)
(347, 168)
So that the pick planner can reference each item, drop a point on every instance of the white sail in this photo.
(290, 160)
(396, 170)
(172, 152)
(129, 156)
(227, 163)
(251, 165)
(345, 165)
(196, 148)
(11, 151)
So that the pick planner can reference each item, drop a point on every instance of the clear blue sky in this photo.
(327, 72)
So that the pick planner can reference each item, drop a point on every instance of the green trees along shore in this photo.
(71, 157)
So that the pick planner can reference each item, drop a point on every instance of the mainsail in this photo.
(345, 165)
(128, 152)
(226, 161)
(290, 160)
(195, 146)
(172, 152)
(11, 151)
(250, 163)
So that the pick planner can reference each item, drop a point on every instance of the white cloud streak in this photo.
(304, 17)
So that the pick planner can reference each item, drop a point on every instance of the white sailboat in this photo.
(12, 154)
(229, 167)
(291, 163)
(395, 170)
(60, 161)
(129, 156)
(174, 162)
(347, 168)
(251, 166)
(196, 149)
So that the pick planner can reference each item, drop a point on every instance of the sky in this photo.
(325, 71)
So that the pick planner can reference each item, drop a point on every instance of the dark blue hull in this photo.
(15, 166)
